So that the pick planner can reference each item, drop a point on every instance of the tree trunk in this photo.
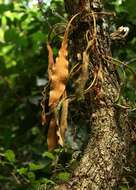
(102, 162)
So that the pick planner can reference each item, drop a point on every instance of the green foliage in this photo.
(64, 176)
(10, 156)
(25, 162)
(131, 10)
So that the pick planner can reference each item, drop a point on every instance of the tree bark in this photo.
(102, 162)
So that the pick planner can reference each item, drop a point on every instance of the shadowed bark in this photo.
(102, 162)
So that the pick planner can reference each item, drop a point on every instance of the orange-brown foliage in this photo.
(58, 75)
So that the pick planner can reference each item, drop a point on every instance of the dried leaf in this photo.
(43, 118)
(60, 72)
(84, 72)
(63, 120)
(52, 139)
(58, 75)
(84, 67)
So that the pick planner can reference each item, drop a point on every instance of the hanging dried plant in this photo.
(60, 71)
(58, 75)
(85, 60)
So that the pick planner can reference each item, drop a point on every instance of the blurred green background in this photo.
(25, 162)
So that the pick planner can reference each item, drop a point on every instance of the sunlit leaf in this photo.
(34, 167)
(48, 155)
(64, 176)
(10, 155)
(22, 170)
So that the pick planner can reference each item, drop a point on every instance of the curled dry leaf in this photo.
(58, 75)
(43, 118)
(50, 70)
(85, 60)
(84, 72)
(60, 70)
(52, 139)
(63, 120)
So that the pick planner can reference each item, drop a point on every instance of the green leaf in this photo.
(46, 181)
(31, 176)
(38, 36)
(5, 7)
(34, 167)
(55, 51)
(64, 176)
(11, 36)
(130, 6)
(124, 188)
(24, 17)
(22, 170)
(10, 155)
(49, 155)
(6, 49)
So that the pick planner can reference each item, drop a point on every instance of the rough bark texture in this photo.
(102, 162)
